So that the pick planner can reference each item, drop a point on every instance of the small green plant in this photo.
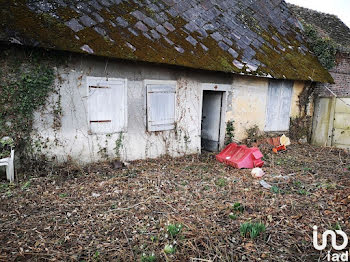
(254, 134)
(63, 195)
(221, 182)
(118, 145)
(307, 170)
(3, 187)
(154, 238)
(26, 185)
(336, 226)
(96, 256)
(238, 207)
(174, 229)
(275, 189)
(169, 249)
(303, 192)
(230, 129)
(232, 216)
(206, 188)
(297, 183)
(148, 258)
(253, 230)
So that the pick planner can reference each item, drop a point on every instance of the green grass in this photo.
(221, 182)
(253, 230)
(303, 192)
(307, 170)
(232, 216)
(26, 185)
(238, 207)
(206, 188)
(148, 258)
(174, 229)
(336, 226)
(275, 189)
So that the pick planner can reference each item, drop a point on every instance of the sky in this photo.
(340, 8)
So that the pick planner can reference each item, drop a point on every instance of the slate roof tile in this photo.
(147, 36)
(98, 17)
(168, 40)
(223, 46)
(87, 21)
(237, 36)
(155, 34)
(74, 25)
(95, 4)
(192, 40)
(139, 15)
(122, 22)
(161, 30)
(204, 47)
(233, 52)
(150, 22)
(169, 26)
(173, 12)
(133, 31)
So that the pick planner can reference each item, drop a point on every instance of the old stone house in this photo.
(331, 123)
(149, 78)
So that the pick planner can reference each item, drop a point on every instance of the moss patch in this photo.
(26, 79)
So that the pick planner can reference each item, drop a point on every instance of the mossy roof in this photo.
(250, 37)
(327, 25)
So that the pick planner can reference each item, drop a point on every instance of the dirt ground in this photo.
(98, 213)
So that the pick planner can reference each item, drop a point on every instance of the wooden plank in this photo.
(341, 107)
(160, 107)
(107, 105)
(278, 105)
(341, 137)
(342, 121)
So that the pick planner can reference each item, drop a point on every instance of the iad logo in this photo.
(335, 256)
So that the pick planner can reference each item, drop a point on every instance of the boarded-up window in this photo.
(107, 105)
(160, 107)
(278, 105)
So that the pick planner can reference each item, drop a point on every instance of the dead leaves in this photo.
(109, 214)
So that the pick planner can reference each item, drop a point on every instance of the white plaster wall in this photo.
(249, 101)
(245, 104)
(72, 139)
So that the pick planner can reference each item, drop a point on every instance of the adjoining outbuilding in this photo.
(149, 78)
(331, 121)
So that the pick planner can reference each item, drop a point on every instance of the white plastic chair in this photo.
(8, 162)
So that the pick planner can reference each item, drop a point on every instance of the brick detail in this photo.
(341, 76)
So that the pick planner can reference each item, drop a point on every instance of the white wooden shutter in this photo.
(160, 107)
(278, 105)
(107, 105)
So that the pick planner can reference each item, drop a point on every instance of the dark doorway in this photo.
(211, 120)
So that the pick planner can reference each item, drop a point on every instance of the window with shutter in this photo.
(278, 105)
(107, 105)
(161, 106)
